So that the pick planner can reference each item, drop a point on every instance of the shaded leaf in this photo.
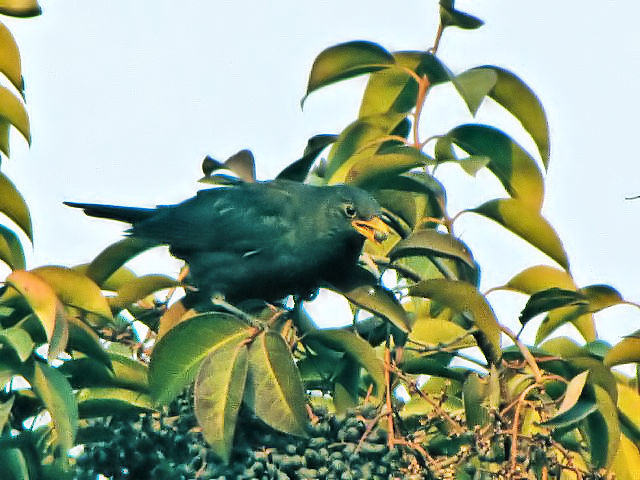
(393, 161)
(427, 365)
(601, 297)
(474, 84)
(5, 411)
(573, 416)
(515, 96)
(11, 251)
(358, 351)
(432, 242)
(578, 316)
(550, 299)
(20, 8)
(299, 169)
(529, 225)
(218, 393)
(177, 356)
(10, 63)
(18, 340)
(75, 289)
(380, 301)
(573, 392)
(466, 299)
(83, 339)
(241, 164)
(346, 60)
(57, 396)
(510, 163)
(274, 390)
(114, 256)
(13, 110)
(102, 402)
(449, 16)
(474, 396)
(12, 204)
(14, 464)
(603, 430)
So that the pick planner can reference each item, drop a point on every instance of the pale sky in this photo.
(126, 98)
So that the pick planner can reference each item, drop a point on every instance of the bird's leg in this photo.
(219, 301)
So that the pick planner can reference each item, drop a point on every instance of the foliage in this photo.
(70, 351)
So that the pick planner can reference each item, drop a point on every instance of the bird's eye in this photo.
(350, 211)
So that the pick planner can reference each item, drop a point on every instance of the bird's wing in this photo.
(244, 219)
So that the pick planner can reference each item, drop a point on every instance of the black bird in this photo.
(263, 240)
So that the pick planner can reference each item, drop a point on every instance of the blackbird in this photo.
(262, 240)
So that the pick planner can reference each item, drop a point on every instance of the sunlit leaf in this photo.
(573, 392)
(550, 299)
(10, 63)
(14, 111)
(12, 204)
(473, 85)
(175, 314)
(344, 61)
(11, 251)
(129, 373)
(466, 299)
(436, 331)
(432, 242)
(140, 288)
(75, 289)
(107, 401)
(358, 351)
(601, 297)
(577, 315)
(274, 389)
(529, 225)
(541, 277)
(392, 162)
(218, 393)
(625, 351)
(177, 356)
(515, 96)
(20, 8)
(57, 396)
(114, 256)
(510, 163)
(18, 340)
(626, 463)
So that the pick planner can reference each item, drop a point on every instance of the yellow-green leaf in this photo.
(474, 84)
(107, 401)
(541, 277)
(573, 392)
(114, 256)
(177, 356)
(528, 224)
(436, 331)
(392, 162)
(139, 288)
(344, 61)
(625, 351)
(464, 298)
(75, 289)
(378, 300)
(12, 204)
(10, 58)
(432, 242)
(274, 389)
(218, 393)
(510, 163)
(20, 8)
(603, 430)
(13, 111)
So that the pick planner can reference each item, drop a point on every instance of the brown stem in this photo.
(387, 382)
(436, 43)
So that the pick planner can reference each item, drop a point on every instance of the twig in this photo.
(387, 382)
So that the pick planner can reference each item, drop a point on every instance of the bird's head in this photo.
(358, 210)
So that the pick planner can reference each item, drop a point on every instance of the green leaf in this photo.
(625, 351)
(358, 142)
(528, 224)
(103, 402)
(12, 204)
(449, 16)
(541, 277)
(380, 301)
(550, 299)
(177, 355)
(18, 340)
(573, 416)
(474, 396)
(437, 331)
(603, 430)
(129, 373)
(510, 163)
(11, 251)
(299, 169)
(5, 411)
(139, 288)
(358, 351)
(601, 297)
(573, 392)
(427, 365)
(75, 289)
(14, 464)
(115, 256)
(515, 96)
(274, 389)
(473, 85)
(20, 8)
(464, 298)
(10, 63)
(393, 161)
(56, 394)
(218, 393)
(83, 339)
(578, 316)
(346, 60)
(13, 111)
(4, 137)
(429, 242)
(394, 89)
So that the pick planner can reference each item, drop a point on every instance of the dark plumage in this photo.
(263, 240)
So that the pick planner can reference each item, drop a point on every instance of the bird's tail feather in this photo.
(113, 212)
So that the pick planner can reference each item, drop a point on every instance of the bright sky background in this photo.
(127, 97)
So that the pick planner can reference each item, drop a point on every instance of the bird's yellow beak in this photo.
(374, 229)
